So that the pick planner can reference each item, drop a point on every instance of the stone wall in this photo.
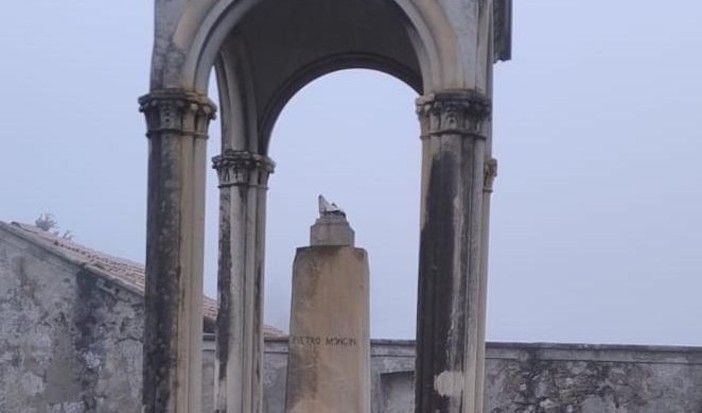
(70, 341)
(537, 378)
(593, 379)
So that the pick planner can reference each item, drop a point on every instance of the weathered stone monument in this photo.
(263, 52)
(329, 344)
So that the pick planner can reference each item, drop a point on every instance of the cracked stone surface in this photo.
(69, 341)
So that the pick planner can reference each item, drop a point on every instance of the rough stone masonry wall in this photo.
(538, 378)
(70, 342)
(594, 379)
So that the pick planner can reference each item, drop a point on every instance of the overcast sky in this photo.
(597, 210)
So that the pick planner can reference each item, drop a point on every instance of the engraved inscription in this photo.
(331, 341)
(305, 340)
(340, 341)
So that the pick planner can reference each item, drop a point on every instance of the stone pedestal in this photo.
(329, 347)
(332, 229)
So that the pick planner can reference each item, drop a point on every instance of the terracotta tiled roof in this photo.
(122, 270)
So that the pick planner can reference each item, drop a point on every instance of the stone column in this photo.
(243, 178)
(449, 312)
(490, 175)
(177, 123)
(329, 344)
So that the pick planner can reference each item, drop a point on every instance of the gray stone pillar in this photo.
(329, 344)
(243, 178)
(449, 311)
(177, 123)
(490, 175)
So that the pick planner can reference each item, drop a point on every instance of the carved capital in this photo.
(459, 112)
(490, 174)
(243, 168)
(178, 112)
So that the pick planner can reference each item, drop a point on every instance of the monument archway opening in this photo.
(264, 51)
(352, 136)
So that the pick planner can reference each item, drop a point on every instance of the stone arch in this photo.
(235, 87)
(426, 24)
(380, 36)
(311, 72)
(263, 52)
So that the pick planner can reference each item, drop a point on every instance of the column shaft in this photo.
(177, 124)
(449, 310)
(259, 271)
(490, 175)
(243, 177)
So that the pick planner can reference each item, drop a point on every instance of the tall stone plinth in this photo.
(329, 345)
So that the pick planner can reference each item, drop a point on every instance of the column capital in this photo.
(178, 112)
(490, 174)
(453, 112)
(242, 168)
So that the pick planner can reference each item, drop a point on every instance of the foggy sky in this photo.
(596, 228)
